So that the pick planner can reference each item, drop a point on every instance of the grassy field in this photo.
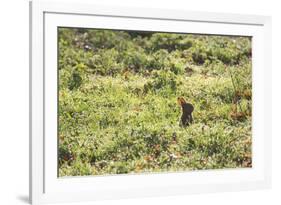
(118, 110)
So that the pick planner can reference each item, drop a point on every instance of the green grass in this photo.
(118, 109)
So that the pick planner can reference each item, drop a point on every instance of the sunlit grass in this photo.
(118, 110)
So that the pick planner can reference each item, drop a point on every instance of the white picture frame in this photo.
(46, 187)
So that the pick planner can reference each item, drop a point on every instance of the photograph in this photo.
(140, 102)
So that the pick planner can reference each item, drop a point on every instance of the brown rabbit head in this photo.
(181, 101)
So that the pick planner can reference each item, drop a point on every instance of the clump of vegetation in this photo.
(118, 109)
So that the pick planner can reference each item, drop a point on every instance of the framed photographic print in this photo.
(129, 102)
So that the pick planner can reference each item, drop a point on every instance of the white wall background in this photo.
(14, 100)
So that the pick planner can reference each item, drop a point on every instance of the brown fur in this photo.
(187, 109)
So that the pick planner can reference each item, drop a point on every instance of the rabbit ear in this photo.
(179, 101)
(182, 100)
